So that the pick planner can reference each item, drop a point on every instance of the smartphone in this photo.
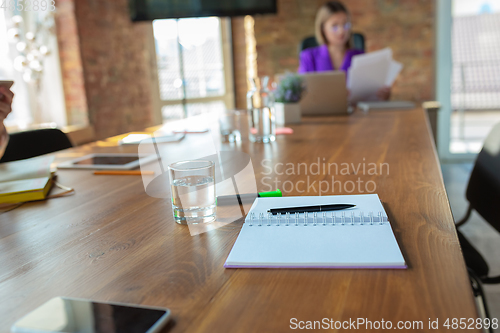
(62, 314)
(6, 84)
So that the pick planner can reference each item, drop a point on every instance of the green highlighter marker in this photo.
(246, 198)
(270, 194)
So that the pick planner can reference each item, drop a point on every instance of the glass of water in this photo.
(261, 119)
(230, 124)
(193, 191)
(262, 125)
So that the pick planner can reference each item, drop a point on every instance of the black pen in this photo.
(302, 209)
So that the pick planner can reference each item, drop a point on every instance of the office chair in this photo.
(357, 42)
(33, 143)
(483, 194)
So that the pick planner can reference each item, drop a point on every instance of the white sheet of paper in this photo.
(394, 69)
(370, 72)
(365, 80)
(368, 58)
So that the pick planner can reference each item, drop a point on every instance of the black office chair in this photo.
(483, 194)
(33, 143)
(357, 42)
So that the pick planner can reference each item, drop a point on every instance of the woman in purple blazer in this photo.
(333, 33)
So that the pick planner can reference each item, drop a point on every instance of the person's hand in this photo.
(6, 97)
(384, 93)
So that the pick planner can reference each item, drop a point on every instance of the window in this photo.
(194, 66)
(20, 117)
(33, 64)
(475, 83)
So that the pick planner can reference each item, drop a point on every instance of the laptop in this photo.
(325, 94)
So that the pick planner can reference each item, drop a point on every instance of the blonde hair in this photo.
(324, 12)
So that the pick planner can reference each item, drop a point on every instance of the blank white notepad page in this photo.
(367, 241)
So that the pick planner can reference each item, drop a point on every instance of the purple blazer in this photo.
(317, 59)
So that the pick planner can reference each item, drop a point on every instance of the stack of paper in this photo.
(369, 72)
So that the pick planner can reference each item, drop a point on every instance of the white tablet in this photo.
(107, 161)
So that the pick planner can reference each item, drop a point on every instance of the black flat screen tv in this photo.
(148, 10)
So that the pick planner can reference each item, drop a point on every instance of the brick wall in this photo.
(106, 65)
(71, 64)
(116, 66)
(239, 62)
(407, 26)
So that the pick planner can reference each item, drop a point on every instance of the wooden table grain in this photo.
(112, 242)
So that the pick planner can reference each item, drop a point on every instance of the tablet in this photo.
(107, 161)
(63, 314)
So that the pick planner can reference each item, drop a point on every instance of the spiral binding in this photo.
(305, 219)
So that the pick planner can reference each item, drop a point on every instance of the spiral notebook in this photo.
(359, 237)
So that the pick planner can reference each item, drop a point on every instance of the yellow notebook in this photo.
(25, 180)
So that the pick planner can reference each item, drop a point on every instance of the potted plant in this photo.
(287, 96)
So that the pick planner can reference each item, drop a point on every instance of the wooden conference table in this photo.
(111, 241)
